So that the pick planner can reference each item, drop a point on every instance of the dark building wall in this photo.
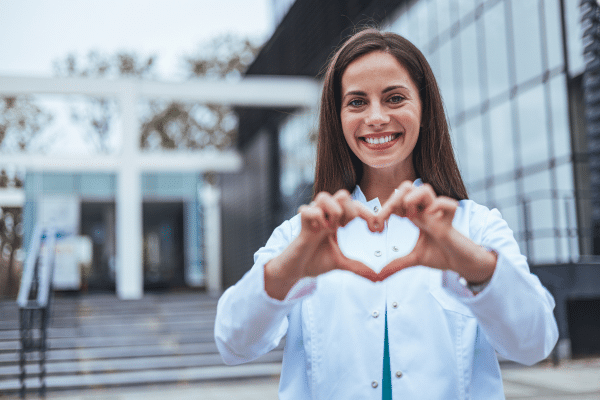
(246, 200)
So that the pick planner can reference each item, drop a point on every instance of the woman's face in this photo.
(381, 113)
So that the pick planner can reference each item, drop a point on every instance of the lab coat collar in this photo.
(358, 195)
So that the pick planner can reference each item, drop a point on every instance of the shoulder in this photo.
(288, 229)
(475, 216)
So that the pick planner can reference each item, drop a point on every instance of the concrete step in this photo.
(100, 341)
(147, 377)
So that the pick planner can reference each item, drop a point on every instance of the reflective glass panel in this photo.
(564, 177)
(465, 7)
(526, 34)
(532, 124)
(574, 32)
(460, 150)
(513, 216)
(553, 33)
(446, 78)
(475, 150)
(412, 33)
(400, 25)
(434, 63)
(479, 197)
(444, 15)
(505, 194)
(496, 55)
(421, 14)
(538, 184)
(542, 214)
(544, 251)
(470, 67)
(560, 117)
(502, 139)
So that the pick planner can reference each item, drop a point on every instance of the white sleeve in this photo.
(249, 323)
(515, 311)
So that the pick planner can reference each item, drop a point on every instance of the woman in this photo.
(415, 296)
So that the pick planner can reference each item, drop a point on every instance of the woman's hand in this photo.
(439, 244)
(315, 251)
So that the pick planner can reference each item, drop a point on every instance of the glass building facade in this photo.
(505, 69)
(504, 77)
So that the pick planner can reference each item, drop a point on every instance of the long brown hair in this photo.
(433, 157)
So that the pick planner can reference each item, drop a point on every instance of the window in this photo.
(502, 139)
(526, 35)
(496, 55)
(533, 135)
(470, 67)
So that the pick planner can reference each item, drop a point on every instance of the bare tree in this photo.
(11, 240)
(21, 120)
(99, 114)
(167, 125)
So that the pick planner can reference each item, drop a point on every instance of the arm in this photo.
(249, 323)
(252, 315)
(515, 311)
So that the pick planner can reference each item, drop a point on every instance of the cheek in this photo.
(348, 127)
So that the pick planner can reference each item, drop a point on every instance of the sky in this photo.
(34, 33)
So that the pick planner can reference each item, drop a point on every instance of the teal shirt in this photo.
(386, 381)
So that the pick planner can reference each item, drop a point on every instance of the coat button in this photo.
(395, 305)
(395, 248)
(375, 314)
(374, 384)
(398, 374)
(376, 209)
(377, 253)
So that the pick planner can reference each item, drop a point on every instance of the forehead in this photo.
(377, 67)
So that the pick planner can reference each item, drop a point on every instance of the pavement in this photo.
(571, 380)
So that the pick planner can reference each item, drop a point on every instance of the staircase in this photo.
(98, 340)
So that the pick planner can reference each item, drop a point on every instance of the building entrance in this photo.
(163, 245)
(98, 223)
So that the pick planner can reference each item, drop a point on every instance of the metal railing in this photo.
(561, 228)
(34, 301)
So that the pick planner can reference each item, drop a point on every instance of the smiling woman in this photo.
(391, 283)
(381, 116)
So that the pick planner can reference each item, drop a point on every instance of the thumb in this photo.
(347, 264)
(398, 264)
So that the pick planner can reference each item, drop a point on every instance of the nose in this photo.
(376, 116)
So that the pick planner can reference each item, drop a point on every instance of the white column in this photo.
(210, 196)
(129, 268)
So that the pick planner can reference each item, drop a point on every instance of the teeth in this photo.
(381, 140)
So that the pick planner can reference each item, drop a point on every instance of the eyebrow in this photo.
(386, 90)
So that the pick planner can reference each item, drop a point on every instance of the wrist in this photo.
(477, 284)
(284, 271)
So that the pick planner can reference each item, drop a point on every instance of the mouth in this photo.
(380, 141)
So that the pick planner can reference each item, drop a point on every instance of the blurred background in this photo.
(161, 142)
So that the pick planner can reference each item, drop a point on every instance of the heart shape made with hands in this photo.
(416, 221)
(358, 243)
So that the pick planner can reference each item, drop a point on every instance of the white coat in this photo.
(443, 340)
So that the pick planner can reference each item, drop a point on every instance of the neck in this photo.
(380, 183)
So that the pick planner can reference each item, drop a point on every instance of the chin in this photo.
(382, 165)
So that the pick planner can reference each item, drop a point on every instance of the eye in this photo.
(396, 99)
(356, 103)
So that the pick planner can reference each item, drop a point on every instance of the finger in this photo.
(343, 198)
(333, 211)
(348, 264)
(312, 217)
(395, 204)
(444, 205)
(397, 265)
(419, 200)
